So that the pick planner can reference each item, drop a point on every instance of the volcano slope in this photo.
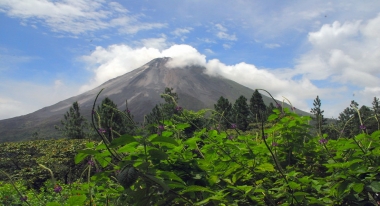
(141, 88)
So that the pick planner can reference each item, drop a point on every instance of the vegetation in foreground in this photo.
(241, 154)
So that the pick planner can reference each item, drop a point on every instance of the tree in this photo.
(74, 125)
(223, 110)
(111, 119)
(349, 120)
(171, 100)
(318, 114)
(270, 108)
(257, 107)
(130, 123)
(155, 116)
(164, 111)
(241, 113)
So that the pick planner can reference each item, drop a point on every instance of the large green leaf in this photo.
(159, 182)
(170, 175)
(245, 188)
(192, 141)
(103, 161)
(89, 151)
(76, 200)
(374, 186)
(358, 187)
(375, 135)
(232, 169)
(158, 154)
(272, 117)
(122, 140)
(163, 139)
(265, 167)
(196, 188)
(129, 147)
(294, 185)
(53, 204)
(166, 133)
(342, 188)
(79, 157)
(182, 126)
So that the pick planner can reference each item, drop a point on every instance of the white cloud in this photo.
(272, 46)
(370, 92)
(206, 40)
(115, 60)
(13, 96)
(11, 108)
(76, 16)
(135, 26)
(158, 43)
(209, 51)
(226, 46)
(220, 27)
(297, 91)
(107, 63)
(222, 33)
(181, 31)
(344, 53)
(184, 55)
(12, 61)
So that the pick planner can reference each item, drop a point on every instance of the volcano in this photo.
(141, 88)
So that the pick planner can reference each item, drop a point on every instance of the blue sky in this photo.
(52, 50)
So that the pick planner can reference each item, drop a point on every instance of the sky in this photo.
(51, 50)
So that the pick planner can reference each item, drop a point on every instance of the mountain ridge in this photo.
(141, 88)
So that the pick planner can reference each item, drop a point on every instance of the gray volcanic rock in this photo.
(142, 88)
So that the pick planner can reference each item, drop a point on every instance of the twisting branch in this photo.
(97, 130)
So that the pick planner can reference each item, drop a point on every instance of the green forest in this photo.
(239, 153)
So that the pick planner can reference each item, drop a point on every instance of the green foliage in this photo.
(241, 113)
(75, 126)
(164, 111)
(282, 165)
(113, 121)
(223, 113)
(21, 159)
(318, 113)
(257, 107)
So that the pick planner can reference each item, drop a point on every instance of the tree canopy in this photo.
(74, 125)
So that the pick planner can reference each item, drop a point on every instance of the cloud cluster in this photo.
(297, 91)
(20, 98)
(222, 33)
(343, 59)
(345, 53)
(115, 60)
(76, 16)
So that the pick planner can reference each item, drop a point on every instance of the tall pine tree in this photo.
(111, 119)
(348, 120)
(223, 110)
(166, 110)
(241, 113)
(74, 125)
(318, 113)
(270, 108)
(257, 107)
(169, 108)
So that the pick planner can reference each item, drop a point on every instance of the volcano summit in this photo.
(141, 88)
